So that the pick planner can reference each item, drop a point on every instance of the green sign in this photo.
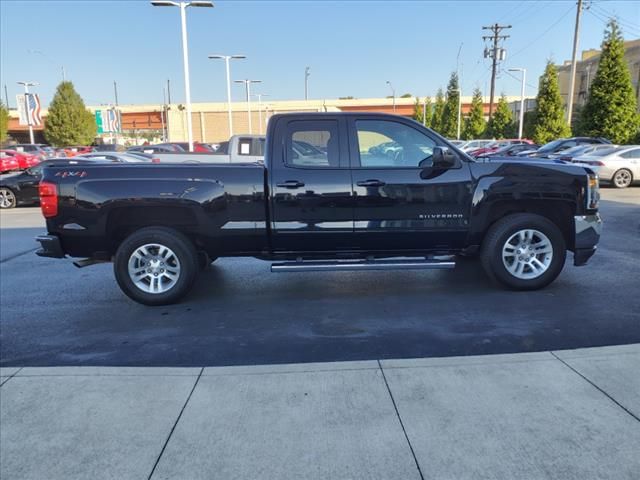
(99, 121)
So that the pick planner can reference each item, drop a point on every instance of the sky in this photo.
(352, 47)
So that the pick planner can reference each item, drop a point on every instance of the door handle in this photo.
(371, 183)
(290, 184)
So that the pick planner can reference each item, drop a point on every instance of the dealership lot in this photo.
(240, 314)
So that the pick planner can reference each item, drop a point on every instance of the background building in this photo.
(586, 69)
(151, 123)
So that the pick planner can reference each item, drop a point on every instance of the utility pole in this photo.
(6, 96)
(495, 54)
(117, 111)
(26, 86)
(306, 83)
(168, 91)
(247, 86)
(576, 34)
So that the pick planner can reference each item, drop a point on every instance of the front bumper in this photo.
(50, 246)
(588, 230)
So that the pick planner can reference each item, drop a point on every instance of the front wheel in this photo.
(524, 251)
(156, 265)
(7, 198)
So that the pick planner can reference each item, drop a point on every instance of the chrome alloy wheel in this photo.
(7, 198)
(622, 178)
(527, 254)
(154, 268)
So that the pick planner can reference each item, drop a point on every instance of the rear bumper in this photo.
(588, 229)
(51, 246)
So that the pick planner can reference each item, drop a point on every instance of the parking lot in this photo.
(240, 314)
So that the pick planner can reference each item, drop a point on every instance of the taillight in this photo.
(155, 160)
(48, 199)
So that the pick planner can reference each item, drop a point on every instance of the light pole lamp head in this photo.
(205, 4)
(224, 57)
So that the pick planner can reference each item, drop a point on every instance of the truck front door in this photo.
(401, 201)
(311, 200)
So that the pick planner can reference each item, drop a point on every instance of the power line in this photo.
(544, 33)
(609, 14)
(604, 17)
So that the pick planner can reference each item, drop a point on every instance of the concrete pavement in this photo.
(562, 415)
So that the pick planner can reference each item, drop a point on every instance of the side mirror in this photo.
(443, 158)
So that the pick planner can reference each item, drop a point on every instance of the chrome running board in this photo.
(361, 265)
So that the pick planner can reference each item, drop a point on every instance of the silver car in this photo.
(122, 157)
(618, 166)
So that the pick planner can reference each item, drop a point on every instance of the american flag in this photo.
(33, 109)
(113, 124)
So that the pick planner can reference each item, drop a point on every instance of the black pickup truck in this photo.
(337, 191)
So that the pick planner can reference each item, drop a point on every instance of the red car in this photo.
(25, 160)
(73, 151)
(8, 163)
(493, 146)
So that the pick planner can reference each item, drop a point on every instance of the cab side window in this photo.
(385, 143)
(313, 144)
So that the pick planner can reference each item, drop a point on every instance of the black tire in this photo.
(498, 235)
(8, 198)
(178, 243)
(622, 178)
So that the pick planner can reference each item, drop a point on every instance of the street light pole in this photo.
(260, 95)
(524, 75)
(185, 53)
(26, 86)
(247, 85)
(393, 94)
(226, 61)
(306, 83)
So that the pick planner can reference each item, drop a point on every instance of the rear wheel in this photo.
(7, 198)
(622, 178)
(523, 251)
(156, 265)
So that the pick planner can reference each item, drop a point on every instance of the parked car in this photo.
(8, 163)
(159, 148)
(197, 147)
(124, 157)
(345, 209)
(493, 146)
(78, 150)
(25, 160)
(618, 166)
(108, 147)
(579, 150)
(511, 150)
(32, 149)
(562, 144)
(239, 149)
(473, 145)
(21, 188)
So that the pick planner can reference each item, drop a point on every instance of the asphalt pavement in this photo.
(53, 314)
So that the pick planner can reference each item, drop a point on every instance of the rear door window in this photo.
(313, 144)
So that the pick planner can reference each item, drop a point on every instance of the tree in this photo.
(529, 120)
(501, 124)
(4, 123)
(419, 111)
(610, 110)
(449, 125)
(406, 95)
(475, 124)
(68, 120)
(549, 113)
(438, 108)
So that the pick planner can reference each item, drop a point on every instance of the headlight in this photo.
(593, 191)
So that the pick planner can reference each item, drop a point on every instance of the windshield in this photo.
(547, 147)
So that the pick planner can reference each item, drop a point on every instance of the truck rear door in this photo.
(310, 180)
(400, 202)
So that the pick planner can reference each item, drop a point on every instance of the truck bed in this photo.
(216, 204)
